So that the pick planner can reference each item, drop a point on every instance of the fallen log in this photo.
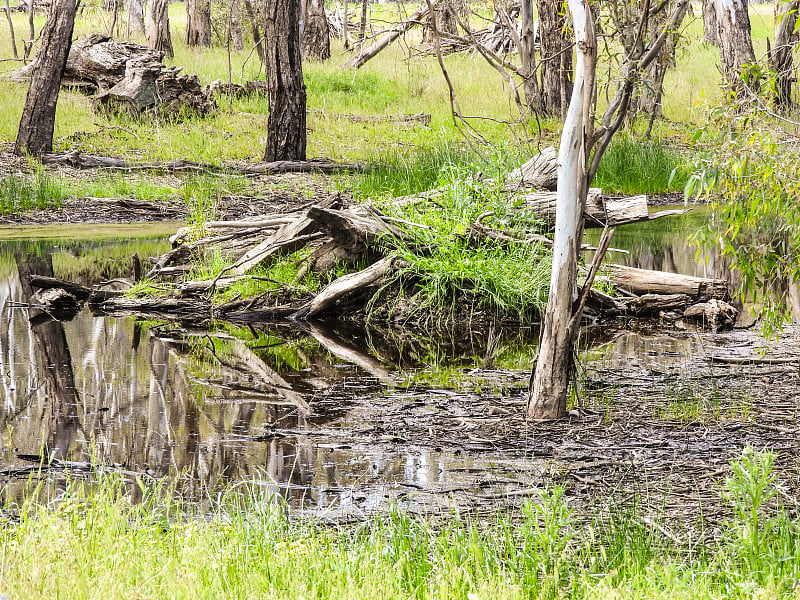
(714, 314)
(78, 160)
(599, 212)
(360, 59)
(643, 281)
(355, 232)
(417, 118)
(193, 310)
(344, 286)
(648, 304)
(538, 173)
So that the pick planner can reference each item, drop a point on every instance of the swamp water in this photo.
(337, 422)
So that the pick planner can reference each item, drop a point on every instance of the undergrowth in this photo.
(94, 538)
(637, 166)
(41, 191)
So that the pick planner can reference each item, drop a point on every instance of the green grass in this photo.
(634, 166)
(94, 540)
(19, 193)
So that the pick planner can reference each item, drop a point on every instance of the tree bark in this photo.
(36, 126)
(555, 59)
(316, 33)
(237, 38)
(735, 45)
(11, 29)
(198, 23)
(286, 124)
(710, 35)
(158, 36)
(551, 377)
(135, 18)
(780, 57)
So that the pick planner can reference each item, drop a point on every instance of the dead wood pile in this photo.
(368, 242)
(129, 77)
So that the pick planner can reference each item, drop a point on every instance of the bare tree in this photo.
(198, 23)
(286, 124)
(582, 147)
(37, 124)
(158, 36)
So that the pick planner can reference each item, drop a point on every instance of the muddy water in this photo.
(299, 412)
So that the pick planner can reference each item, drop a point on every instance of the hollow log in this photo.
(643, 281)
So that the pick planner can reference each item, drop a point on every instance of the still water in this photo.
(279, 406)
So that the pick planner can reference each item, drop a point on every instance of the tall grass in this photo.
(18, 193)
(95, 541)
(634, 166)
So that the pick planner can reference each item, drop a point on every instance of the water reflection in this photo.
(272, 404)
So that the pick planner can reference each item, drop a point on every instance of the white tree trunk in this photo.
(551, 377)
(735, 43)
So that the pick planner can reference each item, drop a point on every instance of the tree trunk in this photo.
(135, 18)
(735, 45)
(198, 23)
(158, 36)
(237, 38)
(257, 39)
(286, 124)
(11, 30)
(36, 126)
(362, 24)
(551, 377)
(710, 35)
(780, 57)
(316, 33)
(527, 50)
(555, 59)
(653, 78)
(446, 22)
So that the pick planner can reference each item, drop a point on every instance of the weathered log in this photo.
(346, 285)
(599, 211)
(87, 161)
(538, 173)
(57, 304)
(287, 239)
(194, 310)
(643, 281)
(715, 314)
(97, 61)
(148, 87)
(46, 283)
(360, 59)
(648, 304)
(354, 232)
(417, 118)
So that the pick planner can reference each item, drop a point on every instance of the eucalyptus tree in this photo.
(157, 25)
(583, 142)
(286, 123)
(780, 55)
(198, 23)
(316, 32)
(37, 124)
(735, 45)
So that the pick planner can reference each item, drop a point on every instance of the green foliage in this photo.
(445, 267)
(637, 166)
(18, 193)
(749, 173)
(245, 546)
(359, 90)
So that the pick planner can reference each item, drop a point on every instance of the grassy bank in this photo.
(94, 541)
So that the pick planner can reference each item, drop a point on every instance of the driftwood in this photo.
(649, 304)
(355, 232)
(642, 281)
(88, 161)
(194, 310)
(714, 314)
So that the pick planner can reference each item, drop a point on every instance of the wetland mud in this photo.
(341, 423)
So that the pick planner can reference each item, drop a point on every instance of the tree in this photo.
(316, 33)
(158, 36)
(555, 62)
(286, 124)
(780, 56)
(198, 23)
(582, 147)
(735, 45)
(135, 17)
(37, 124)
